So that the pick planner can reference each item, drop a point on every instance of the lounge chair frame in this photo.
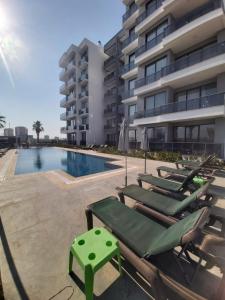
(156, 278)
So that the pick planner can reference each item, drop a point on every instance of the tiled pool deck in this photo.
(40, 216)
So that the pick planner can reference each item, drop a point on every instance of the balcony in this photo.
(129, 70)
(84, 127)
(63, 130)
(109, 78)
(64, 89)
(194, 109)
(67, 56)
(83, 95)
(69, 69)
(83, 111)
(128, 96)
(161, 9)
(198, 66)
(71, 114)
(130, 43)
(83, 78)
(130, 16)
(113, 110)
(186, 30)
(110, 62)
(109, 127)
(71, 83)
(71, 129)
(63, 102)
(83, 62)
(63, 117)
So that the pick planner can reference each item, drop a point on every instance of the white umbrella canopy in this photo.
(123, 144)
(144, 144)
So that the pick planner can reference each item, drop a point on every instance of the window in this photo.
(131, 57)
(198, 133)
(132, 110)
(157, 134)
(156, 31)
(155, 101)
(156, 66)
(179, 134)
(202, 91)
(207, 133)
(131, 84)
(150, 5)
(132, 135)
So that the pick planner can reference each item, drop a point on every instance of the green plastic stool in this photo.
(93, 250)
(199, 180)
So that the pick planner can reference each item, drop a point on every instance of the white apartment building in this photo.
(83, 90)
(21, 134)
(175, 73)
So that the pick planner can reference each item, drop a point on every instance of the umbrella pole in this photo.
(145, 162)
(126, 169)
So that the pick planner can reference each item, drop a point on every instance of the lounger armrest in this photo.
(153, 213)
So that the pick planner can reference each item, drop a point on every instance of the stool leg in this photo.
(70, 262)
(119, 263)
(89, 282)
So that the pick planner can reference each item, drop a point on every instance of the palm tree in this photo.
(38, 128)
(2, 122)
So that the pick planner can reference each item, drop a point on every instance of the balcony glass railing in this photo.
(195, 14)
(83, 94)
(151, 9)
(184, 62)
(127, 68)
(130, 12)
(83, 77)
(129, 40)
(199, 103)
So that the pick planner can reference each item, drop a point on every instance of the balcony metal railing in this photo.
(130, 12)
(151, 9)
(110, 93)
(196, 148)
(83, 111)
(199, 103)
(84, 127)
(83, 94)
(83, 77)
(109, 126)
(129, 40)
(128, 94)
(127, 68)
(111, 76)
(109, 62)
(184, 62)
(63, 117)
(195, 14)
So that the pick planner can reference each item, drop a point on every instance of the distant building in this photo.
(56, 138)
(46, 138)
(83, 89)
(21, 134)
(8, 132)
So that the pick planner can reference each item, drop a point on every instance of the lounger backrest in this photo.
(190, 176)
(173, 236)
(194, 196)
(207, 160)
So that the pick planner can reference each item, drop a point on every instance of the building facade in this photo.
(21, 134)
(175, 74)
(8, 132)
(83, 90)
(113, 87)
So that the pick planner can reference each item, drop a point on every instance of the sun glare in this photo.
(4, 20)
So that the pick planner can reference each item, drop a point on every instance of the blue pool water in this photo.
(45, 159)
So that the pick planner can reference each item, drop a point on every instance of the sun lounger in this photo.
(167, 184)
(143, 240)
(162, 206)
(193, 163)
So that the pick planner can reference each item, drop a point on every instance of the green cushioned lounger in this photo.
(159, 202)
(167, 184)
(143, 235)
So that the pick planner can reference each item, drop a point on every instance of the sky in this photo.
(33, 36)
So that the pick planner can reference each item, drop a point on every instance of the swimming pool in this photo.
(45, 159)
